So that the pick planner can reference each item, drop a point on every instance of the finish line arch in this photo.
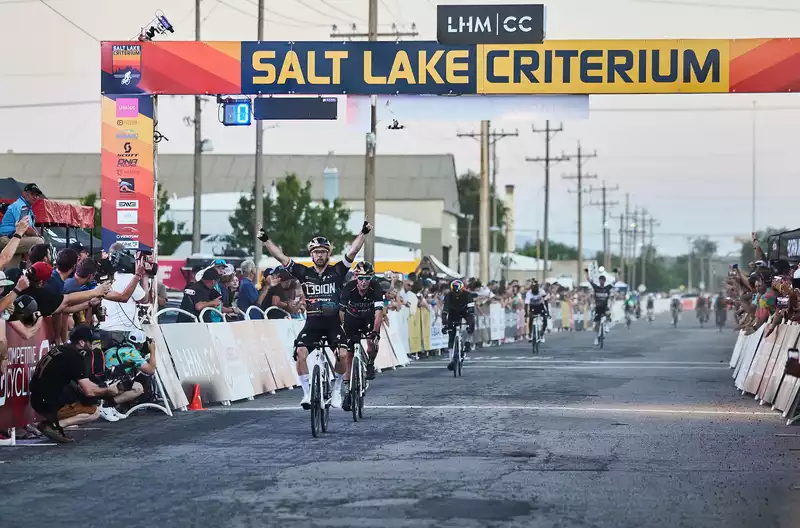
(133, 73)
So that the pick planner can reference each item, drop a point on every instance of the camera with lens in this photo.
(150, 267)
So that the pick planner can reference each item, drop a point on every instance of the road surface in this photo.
(648, 432)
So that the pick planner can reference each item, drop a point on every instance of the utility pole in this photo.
(259, 188)
(483, 265)
(691, 252)
(580, 176)
(372, 138)
(625, 232)
(198, 150)
(605, 204)
(635, 229)
(621, 268)
(493, 138)
(549, 133)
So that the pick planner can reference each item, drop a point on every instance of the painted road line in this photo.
(517, 366)
(534, 408)
(596, 361)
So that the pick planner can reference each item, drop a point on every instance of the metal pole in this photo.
(484, 205)
(469, 244)
(580, 219)
(154, 282)
(198, 144)
(369, 169)
(493, 196)
(691, 251)
(753, 229)
(259, 184)
(635, 228)
(546, 199)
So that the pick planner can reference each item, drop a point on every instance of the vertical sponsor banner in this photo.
(126, 187)
(438, 338)
(23, 354)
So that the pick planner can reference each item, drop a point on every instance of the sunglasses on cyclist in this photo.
(364, 278)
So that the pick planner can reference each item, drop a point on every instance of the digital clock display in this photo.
(236, 114)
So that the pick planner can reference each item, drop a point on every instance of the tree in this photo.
(469, 196)
(558, 251)
(291, 219)
(169, 237)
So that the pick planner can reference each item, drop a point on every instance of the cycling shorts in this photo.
(316, 329)
(538, 308)
(600, 310)
(353, 327)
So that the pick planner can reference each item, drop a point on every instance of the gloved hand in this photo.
(366, 228)
(262, 235)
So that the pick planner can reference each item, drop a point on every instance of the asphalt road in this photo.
(648, 432)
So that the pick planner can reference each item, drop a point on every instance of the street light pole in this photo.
(469, 218)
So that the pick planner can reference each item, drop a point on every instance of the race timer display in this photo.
(236, 113)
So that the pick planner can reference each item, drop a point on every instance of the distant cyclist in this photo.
(459, 304)
(361, 312)
(651, 306)
(602, 296)
(536, 302)
(322, 285)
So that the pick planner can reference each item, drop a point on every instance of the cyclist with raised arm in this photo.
(322, 285)
(458, 304)
(536, 303)
(361, 313)
(602, 296)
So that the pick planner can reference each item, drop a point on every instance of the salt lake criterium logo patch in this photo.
(126, 63)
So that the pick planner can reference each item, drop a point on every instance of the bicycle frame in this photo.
(319, 357)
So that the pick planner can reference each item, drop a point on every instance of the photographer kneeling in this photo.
(60, 384)
(130, 357)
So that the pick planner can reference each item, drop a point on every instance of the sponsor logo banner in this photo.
(127, 170)
(490, 24)
(567, 67)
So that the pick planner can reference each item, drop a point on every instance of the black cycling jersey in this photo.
(602, 293)
(321, 290)
(458, 303)
(353, 304)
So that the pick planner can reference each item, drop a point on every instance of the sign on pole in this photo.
(490, 24)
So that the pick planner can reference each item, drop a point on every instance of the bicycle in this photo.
(650, 316)
(535, 329)
(458, 349)
(721, 316)
(675, 317)
(628, 320)
(358, 378)
(321, 386)
(601, 330)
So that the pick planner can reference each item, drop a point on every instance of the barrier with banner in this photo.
(758, 368)
(23, 354)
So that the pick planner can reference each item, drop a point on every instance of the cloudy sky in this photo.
(686, 159)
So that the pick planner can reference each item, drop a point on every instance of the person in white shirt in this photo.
(127, 290)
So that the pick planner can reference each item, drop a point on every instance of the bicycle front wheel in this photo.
(535, 337)
(316, 402)
(456, 357)
(355, 384)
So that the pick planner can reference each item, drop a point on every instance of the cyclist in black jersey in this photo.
(602, 297)
(361, 311)
(322, 285)
(458, 304)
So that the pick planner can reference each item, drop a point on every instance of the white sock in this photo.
(452, 353)
(304, 383)
(337, 384)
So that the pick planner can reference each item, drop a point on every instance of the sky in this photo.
(686, 159)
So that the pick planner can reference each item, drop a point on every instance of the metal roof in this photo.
(398, 177)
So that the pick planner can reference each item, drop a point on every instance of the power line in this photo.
(722, 6)
(48, 105)
(340, 10)
(314, 9)
(385, 4)
(75, 25)
(298, 23)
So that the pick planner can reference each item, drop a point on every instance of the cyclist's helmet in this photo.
(364, 268)
(319, 242)
(25, 306)
(457, 285)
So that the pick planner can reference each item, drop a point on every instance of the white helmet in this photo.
(137, 337)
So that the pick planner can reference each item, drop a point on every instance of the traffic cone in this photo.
(197, 403)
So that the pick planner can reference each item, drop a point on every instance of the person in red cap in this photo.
(51, 301)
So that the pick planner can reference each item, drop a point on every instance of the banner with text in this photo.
(126, 183)
(359, 68)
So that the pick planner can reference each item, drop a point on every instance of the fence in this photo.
(758, 368)
(239, 360)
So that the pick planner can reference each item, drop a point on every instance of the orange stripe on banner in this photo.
(739, 47)
(207, 58)
(762, 58)
(779, 77)
(231, 49)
